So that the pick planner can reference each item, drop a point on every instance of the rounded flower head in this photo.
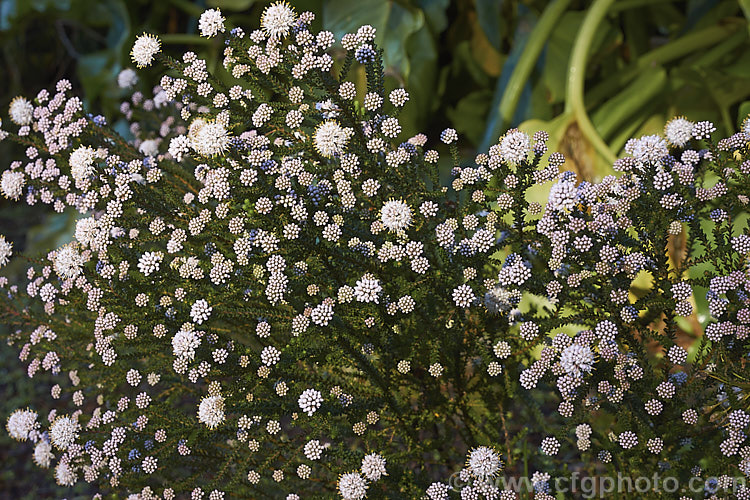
(277, 20)
(68, 261)
(515, 146)
(449, 136)
(144, 49)
(211, 411)
(65, 474)
(43, 454)
(211, 23)
(185, 343)
(12, 183)
(310, 400)
(64, 432)
(150, 262)
(200, 311)
(353, 486)
(208, 138)
(395, 215)
(577, 359)
(6, 250)
(81, 162)
(331, 138)
(463, 296)
(648, 149)
(86, 230)
(484, 462)
(562, 196)
(373, 466)
(679, 131)
(367, 289)
(127, 78)
(21, 111)
(21, 423)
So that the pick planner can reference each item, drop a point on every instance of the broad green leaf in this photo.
(559, 47)
(616, 112)
(464, 62)
(528, 18)
(470, 114)
(422, 81)
(491, 20)
(484, 52)
(745, 4)
(740, 66)
(434, 13)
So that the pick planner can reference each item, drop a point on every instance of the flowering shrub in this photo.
(270, 294)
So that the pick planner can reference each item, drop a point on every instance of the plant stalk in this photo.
(577, 75)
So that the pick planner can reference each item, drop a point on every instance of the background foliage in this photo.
(591, 73)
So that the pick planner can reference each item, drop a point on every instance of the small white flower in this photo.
(211, 23)
(484, 462)
(68, 261)
(577, 359)
(64, 432)
(310, 400)
(200, 311)
(398, 97)
(127, 78)
(43, 454)
(313, 450)
(331, 138)
(12, 183)
(179, 146)
(463, 296)
(185, 343)
(562, 196)
(81, 162)
(21, 111)
(277, 20)
(6, 250)
(208, 138)
(269, 356)
(373, 466)
(322, 314)
(149, 147)
(367, 289)
(395, 215)
(449, 136)
(21, 423)
(144, 49)
(550, 446)
(648, 149)
(353, 486)
(515, 146)
(679, 131)
(65, 474)
(211, 411)
(150, 262)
